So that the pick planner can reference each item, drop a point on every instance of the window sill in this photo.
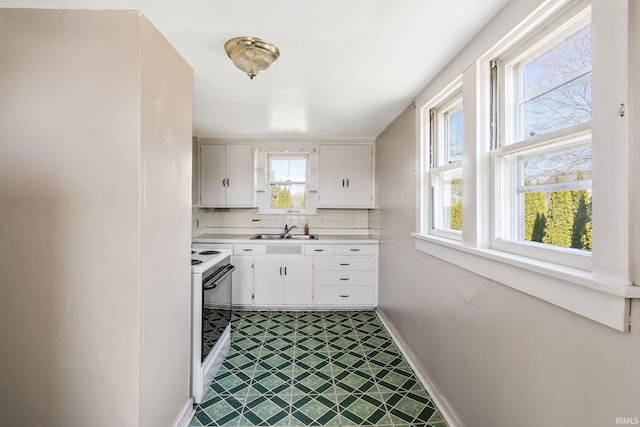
(575, 290)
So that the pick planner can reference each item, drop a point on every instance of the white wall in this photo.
(500, 357)
(74, 306)
(165, 230)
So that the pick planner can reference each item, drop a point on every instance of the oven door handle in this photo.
(218, 277)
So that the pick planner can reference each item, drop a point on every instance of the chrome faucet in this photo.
(287, 230)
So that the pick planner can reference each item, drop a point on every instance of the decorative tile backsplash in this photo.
(249, 218)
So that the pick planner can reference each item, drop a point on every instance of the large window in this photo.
(445, 160)
(287, 181)
(543, 158)
(546, 159)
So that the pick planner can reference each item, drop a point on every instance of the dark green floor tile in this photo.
(275, 361)
(222, 411)
(337, 329)
(278, 343)
(354, 381)
(377, 342)
(311, 330)
(311, 343)
(317, 361)
(349, 360)
(363, 410)
(270, 382)
(313, 382)
(281, 330)
(240, 361)
(409, 407)
(271, 410)
(387, 359)
(320, 410)
(395, 380)
(335, 343)
(230, 382)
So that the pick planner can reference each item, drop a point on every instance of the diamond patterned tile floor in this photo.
(314, 369)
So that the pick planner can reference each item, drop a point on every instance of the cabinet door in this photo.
(331, 176)
(359, 174)
(242, 286)
(240, 189)
(269, 274)
(212, 175)
(298, 288)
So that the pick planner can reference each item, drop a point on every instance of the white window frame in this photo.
(511, 143)
(288, 156)
(435, 119)
(604, 292)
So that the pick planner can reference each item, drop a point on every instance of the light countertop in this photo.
(246, 238)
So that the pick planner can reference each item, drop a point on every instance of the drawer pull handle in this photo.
(344, 263)
(344, 278)
(355, 250)
(344, 296)
(247, 250)
(319, 250)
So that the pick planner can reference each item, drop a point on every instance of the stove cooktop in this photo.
(203, 259)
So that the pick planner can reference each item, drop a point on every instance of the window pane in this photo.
(567, 105)
(564, 165)
(559, 218)
(288, 196)
(449, 201)
(454, 136)
(283, 170)
(561, 63)
(560, 212)
(556, 89)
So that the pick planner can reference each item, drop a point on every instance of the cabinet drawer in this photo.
(361, 250)
(249, 249)
(344, 278)
(318, 250)
(345, 263)
(344, 295)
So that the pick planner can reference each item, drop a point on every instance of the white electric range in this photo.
(211, 274)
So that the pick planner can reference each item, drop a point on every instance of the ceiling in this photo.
(347, 67)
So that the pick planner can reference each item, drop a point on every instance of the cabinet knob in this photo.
(344, 278)
(247, 250)
(355, 250)
(319, 250)
(344, 296)
(344, 263)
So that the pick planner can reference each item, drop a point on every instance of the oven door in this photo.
(216, 306)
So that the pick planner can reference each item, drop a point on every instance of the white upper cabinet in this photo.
(226, 175)
(345, 178)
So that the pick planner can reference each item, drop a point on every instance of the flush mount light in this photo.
(251, 54)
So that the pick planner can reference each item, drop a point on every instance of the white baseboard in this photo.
(187, 414)
(441, 403)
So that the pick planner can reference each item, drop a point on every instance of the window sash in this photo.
(506, 85)
(271, 183)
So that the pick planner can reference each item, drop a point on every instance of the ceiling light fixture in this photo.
(251, 54)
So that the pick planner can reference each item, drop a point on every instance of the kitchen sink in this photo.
(280, 236)
(277, 236)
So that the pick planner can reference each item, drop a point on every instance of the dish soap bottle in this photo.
(306, 229)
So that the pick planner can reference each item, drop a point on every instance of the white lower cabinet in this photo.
(242, 287)
(316, 275)
(346, 279)
(283, 281)
(344, 295)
